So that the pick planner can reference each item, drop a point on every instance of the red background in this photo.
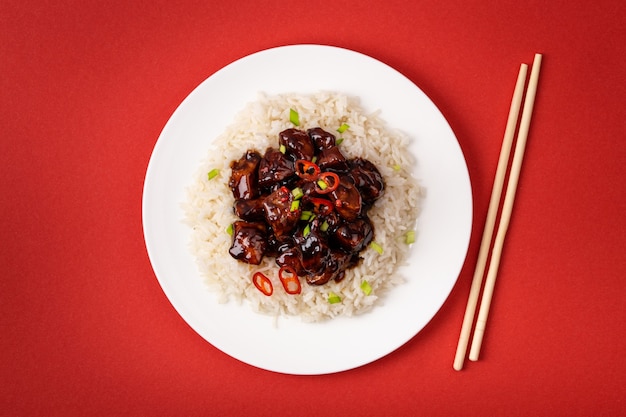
(86, 88)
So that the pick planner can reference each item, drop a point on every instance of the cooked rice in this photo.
(209, 206)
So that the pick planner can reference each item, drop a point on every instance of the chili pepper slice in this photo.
(326, 183)
(322, 206)
(289, 279)
(262, 283)
(307, 169)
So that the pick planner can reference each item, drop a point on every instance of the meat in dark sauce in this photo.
(249, 242)
(286, 214)
(244, 180)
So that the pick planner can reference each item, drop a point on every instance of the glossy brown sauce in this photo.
(285, 213)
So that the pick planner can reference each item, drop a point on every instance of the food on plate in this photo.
(305, 205)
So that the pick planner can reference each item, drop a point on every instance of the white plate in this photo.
(444, 225)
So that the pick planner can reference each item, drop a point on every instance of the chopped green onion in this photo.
(294, 117)
(397, 167)
(322, 184)
(306, 231)
(333, 298)
(306, 215)
(324, 227)
(297, 193)
(410, 237)
(282, 149)
(338, 141)
(314, 159)
(376, 247)
(295, 205)
(230, 229)
(343, 127)
(366, 287)
(213, 173)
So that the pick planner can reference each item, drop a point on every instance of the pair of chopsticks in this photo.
(505, 217)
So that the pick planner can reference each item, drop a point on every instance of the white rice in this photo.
(209, 206)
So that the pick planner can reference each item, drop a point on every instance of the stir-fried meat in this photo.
(355, 235)
(332, 159)
(334, 269)
(291, 257)
(314, 252)
(367, 179)
(244, 180)
(297, 143)
(321, 138)
(250, 210)
(285, 252)
(347, 198)
(307, 187)
(279, 213)
(314, 220)
(278, 244)
(274, 168)
(249, 242)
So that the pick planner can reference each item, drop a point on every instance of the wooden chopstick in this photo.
(494, 202)
(507, 208)
(492, 213)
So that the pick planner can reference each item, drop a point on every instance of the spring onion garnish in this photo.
(230, 229)
(282, 149)
(376, 247)
(343, 127)
(306, 231)
(333, 298)
(324, 227)
(410, 237)
(366, 287)
(314, 159)
(306, 215)
(295, 205)
(322, 184)
(338, 141)
(213, 173)
(397, 167)
(297, 193)
(294, 117)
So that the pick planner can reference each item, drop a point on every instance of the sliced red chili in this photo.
(322, 206)
(307, 169)
(262, 283)
(326, 183)
(290, 280)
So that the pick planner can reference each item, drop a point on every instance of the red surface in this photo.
(87, 87)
